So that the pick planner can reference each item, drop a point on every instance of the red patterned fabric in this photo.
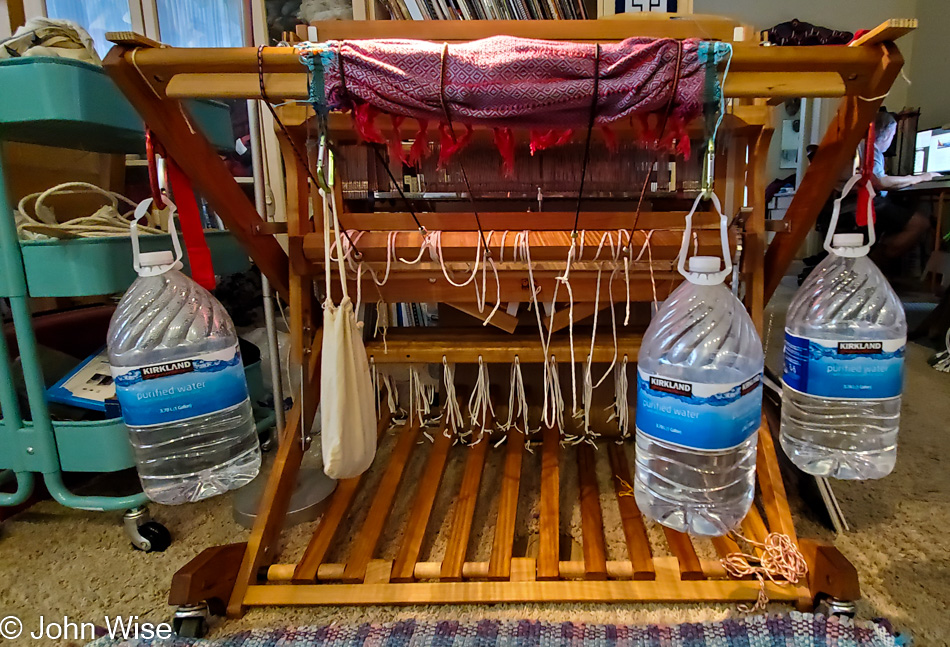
(516, 82)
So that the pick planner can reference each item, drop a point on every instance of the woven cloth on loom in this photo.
(794, 629)
(511, 82)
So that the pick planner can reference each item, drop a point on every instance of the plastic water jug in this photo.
(180, 382)
(699, 402)
(844, 364)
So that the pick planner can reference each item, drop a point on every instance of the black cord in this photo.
(301, 159)
(392, 178)
(590, 129)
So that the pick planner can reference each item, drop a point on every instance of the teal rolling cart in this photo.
(71, 104)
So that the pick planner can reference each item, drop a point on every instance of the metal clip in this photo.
(324, 175)
(709, 170)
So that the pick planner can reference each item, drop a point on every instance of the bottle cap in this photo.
(151, 259)
(704, 264)
(847, 240)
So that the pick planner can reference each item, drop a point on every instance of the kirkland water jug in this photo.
(180, 382)
(844, 361)
(699, 402)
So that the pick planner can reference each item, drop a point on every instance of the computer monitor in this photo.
(932, 151)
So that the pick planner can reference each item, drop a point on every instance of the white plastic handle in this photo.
(851, 252)
(702, 278)
(141, 211)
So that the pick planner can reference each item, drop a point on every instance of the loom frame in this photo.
(155, 78)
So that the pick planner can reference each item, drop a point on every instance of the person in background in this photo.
(899, 225)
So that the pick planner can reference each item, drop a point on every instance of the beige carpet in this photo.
(57, 562)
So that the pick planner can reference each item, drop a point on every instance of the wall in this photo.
(928, 68)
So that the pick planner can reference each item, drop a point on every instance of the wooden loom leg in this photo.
(261, 545)
(209, 577)
(463, 513)
(771, 485)
(207, 172)
(414, 534)
(592, 518)
(549, 521)
(836, 148)
(499, 565)
(635, 533)
(829, 572)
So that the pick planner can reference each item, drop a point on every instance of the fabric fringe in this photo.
(505, 143)
(610, 139)
(396, 153)
(544, 139)
(364, 121)
(450, 143)
(420, 148)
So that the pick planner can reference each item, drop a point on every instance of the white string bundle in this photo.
(517, 401)
(621, 407)
(421, 396)
(451, 411)
(480, 408)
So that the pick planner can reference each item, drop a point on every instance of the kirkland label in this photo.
(161, 393)
(697, 415)
(851, 370)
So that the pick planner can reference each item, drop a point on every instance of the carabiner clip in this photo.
(324, 178)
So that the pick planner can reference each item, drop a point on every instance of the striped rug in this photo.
(790, 630)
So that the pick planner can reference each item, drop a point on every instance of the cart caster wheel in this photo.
(828, 606)
(146, 535)
(191, 621)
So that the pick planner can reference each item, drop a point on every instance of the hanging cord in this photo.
(398, 187)
(590, 129)
(666, 120)
(518, 402)
(621, 407)
(451, 127)
(451, 411)
(301, 158)
(480, 408)
(421, 396)
(779, 560)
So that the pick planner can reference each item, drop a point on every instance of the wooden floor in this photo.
(671, 571)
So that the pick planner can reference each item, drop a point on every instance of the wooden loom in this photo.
(250, 574)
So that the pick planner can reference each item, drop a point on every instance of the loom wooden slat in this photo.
(565, 316)
(428, 346)
(549, 520)
(435, 288)
(725, 545)
(368, 537)
(500, 319)
(634, 531)
(331, 519)
(771, 486)
(415, 531)
(592, 518)
(667, 567)
(754, 241)
(501, 553)
(890, 30)
(754, 526)
(545, 245)
(426, 593)
(463, 512)
(682, 548)
(520, 221)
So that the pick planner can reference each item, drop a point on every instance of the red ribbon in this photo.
(199, 256)
(867, 172)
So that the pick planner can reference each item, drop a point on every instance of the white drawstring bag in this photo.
(347, 406)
